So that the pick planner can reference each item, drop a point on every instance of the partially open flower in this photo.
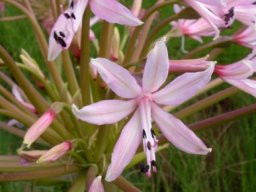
(56, 152)
(247, 37)
(36, 130)
(237, 74)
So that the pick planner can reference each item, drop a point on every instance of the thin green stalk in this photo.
(13, 18)
(37, 100)
(85, 59)
(106, 39)
(42, 43)
(223, 118)
(46, 173)
(18, 132)
(6, 79)
(50, 136)
(51, 91)
(69, 73)
(79, 183)
(214, 83)
(134, 37)
(101, 142)
(206, 102)
(22, 117)
(91, 175)
(219, 42)
(155, 31)
(217, 120)
(125, 185)
(12, 99)
(142, 39)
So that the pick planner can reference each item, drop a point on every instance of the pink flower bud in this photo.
(96, 185)
(247, 37)
(36, 130)
(56, 152)
(189, 65)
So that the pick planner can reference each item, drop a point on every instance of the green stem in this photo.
(70, 73)
(106, 39)
(52, 172)
(125, 185)
(142, 39)
(219, 42)
(206, 102)
(91, 175)
(133, 39)
(18, 132)
(85, 59)
(223, 118)
(79, 183)
(12, 99)
(37, 100)
(42, 43)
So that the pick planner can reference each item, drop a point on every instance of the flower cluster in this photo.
(104, 105)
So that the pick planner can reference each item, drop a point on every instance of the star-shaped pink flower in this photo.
(145, 102)
(69, 21)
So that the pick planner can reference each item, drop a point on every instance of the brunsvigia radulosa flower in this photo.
(92, 106)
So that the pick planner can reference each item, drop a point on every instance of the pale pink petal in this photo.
(78, 11)
(183, 87)
(36, 130)
(105, 112)
(239, 70)
(117, 78)
(56, 152)
(96, 185)
(156, 68)
(16, 93)
(114, 12)
(125, 147)
(178, 133)
(189, 65)
(247, 85)
(61, 35)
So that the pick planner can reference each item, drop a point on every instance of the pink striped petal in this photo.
(117, 78)
(156, 68)
(247, 85)
(78, 11)
(183, 87)
(125, 147)
(178, 133)
(239, 70)
(96, 185)
(61, 35)
(113, 12)
(105, 112)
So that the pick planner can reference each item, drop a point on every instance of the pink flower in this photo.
(36, 130)
(194, 28)
(237, 74)
(189, 65)
(96, 185)
(222, 13)
(56, 152)
(69, 21)
(247, 37)
(145, 101)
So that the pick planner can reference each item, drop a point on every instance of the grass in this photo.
(230, 167)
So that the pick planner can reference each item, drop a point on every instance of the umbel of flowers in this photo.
(107, 91)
